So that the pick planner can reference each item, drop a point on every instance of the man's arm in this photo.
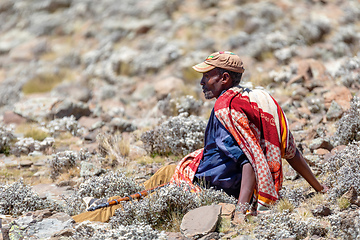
(248, 182)
(299, 164)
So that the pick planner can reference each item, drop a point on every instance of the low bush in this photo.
(178, 135)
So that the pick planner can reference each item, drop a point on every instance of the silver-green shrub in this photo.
(345, 225)
(62, 161)
(343, 169)
(349, 72)
(159, 208)
(178, 135)
(95, 231)
(65, 124)
(348, 127)
(295, 196)
(6, 136)
(104, 186)
(280, 225)
(108, 185)
(18, 198)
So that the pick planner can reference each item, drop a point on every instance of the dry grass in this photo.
(69, 174)
(146, 160)
(343, 203)
(31, 131)
(303, 214)
(224, 225)
(175, 220)
(43, 82)
(285, 204)
(115, 147)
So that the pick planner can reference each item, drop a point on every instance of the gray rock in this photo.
(52, 5)
(320, 143)
(210, 236)
(47, 227)
(76, 92)
(69, 108)
(35, 109)
(200, 221)
(335, 111)
(122, 125)
(26, 163)
(88, 169)
(321, 211)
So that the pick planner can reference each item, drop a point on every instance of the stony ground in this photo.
(94, 98)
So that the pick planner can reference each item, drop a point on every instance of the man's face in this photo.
(211, 84)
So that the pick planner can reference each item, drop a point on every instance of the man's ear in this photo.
(226, 79)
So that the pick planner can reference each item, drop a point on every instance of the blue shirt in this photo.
(221, 166)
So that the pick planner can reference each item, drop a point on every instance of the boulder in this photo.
(41, 224)
(89, 169)
(200, 221)
(339, 94)
(35, 108)
(334, 112)
(67, 108)
(320, 143)
(76, 92)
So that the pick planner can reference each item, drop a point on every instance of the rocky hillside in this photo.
(95, 96)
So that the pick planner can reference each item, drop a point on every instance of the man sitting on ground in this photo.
(245, 139)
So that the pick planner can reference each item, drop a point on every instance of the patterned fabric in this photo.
(186, 169)
(260, 127)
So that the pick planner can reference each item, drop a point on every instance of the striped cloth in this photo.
(260, 127)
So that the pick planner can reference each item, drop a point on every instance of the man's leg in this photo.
(163, 175)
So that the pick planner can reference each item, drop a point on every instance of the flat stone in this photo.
(227, 210)
(321, 151)
(200, 221)
(26, 163)
(35, 108)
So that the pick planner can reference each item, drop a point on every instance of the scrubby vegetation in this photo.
(348, 127)
(65, 124)
(343, 169)
(6, 138)
(178, 135)
(165, 208)
(18, 198)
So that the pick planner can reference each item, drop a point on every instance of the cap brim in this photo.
(203, 67)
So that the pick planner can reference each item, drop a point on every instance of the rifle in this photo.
(127, 198)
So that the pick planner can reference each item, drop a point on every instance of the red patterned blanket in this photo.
(259, 126)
